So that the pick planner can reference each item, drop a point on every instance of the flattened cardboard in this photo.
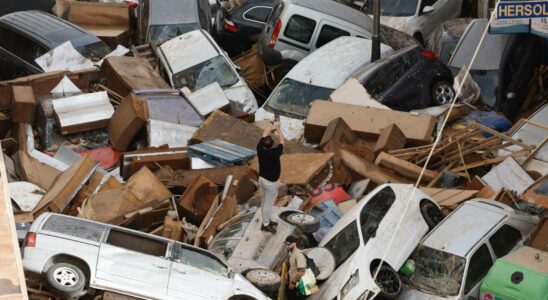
(146, 187)
(126, 121)
(23, 105)
(366, 122)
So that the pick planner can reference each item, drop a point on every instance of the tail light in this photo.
(275, 34)
(229, 25)
(429, 54)
(30, 239)
(131, 4)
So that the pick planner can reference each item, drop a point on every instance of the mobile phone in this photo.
(276, 117)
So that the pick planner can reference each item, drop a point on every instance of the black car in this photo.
(244, 20)
(411, 78)
(160, 20)
(27, 35)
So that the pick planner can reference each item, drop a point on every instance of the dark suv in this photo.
(408, 79)
(27, 35)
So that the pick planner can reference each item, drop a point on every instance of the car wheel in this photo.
(67, 279)
(305, 222)
(265, 280)
(389, 282)
(442, 93)
(431, 213)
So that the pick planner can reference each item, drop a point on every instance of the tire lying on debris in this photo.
(389, 281)
(66, 279)
(265, 280)
(305, 222)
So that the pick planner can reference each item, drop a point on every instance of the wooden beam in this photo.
(403, 167)
(502, 136)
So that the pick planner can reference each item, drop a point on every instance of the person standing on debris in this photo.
(269, 172)
(297, 265)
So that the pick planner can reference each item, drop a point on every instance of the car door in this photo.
(133, 262)
(297, 36)
(327, 32)
(505, 239)
(406, 86)
(254, 19)
(479, 264)
(197, 274)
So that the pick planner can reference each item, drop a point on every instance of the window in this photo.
(300, 28)
(136, 243)
(344, 244)
(200, 260)
(329, 33)
(293, 97)
(20, 46)
(374, 211)
(74, 227)
(504, 240)
(258, 14)
(479, 265)
(387, 75)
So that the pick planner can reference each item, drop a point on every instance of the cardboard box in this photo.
(127, 120)
(124, 74)
(366, 122)
(23, 104)
(197, 199)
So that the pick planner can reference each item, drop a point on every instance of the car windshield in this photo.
(488, 83)
(94, 51)
(393, 8)
(196, 77)
(165, 32)
(293, 97)
(437, 272)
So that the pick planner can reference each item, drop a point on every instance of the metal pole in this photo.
(376, 47)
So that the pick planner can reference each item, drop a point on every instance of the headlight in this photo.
(350, 284)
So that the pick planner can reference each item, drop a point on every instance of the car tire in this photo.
(442, 93)
(389, 281)
(66, 279)
(305, 222)
(265, 280)
(431, 213)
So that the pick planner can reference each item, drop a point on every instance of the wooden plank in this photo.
(184, 178)
(390, 138)
(486, 162)
(449, 198)
(404, 168)
(369, 170)
(502, 136)
(12, 278)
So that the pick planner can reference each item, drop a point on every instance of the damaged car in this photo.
(408, 79)
(243, 20)
(74, 254)
(417, 18)
(313, 78)
(445, 38)
(360, 239)
(452, 260)
(194, 60)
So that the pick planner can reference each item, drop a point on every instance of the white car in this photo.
(360, 238)
(452, 260)
(194, 60)
(417, 18)
(313, 78)
(74, 254)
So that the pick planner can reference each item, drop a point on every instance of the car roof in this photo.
(338, 10)
(188, 50)
(333, 63)
(46, 29)
(173, 11)
(490, 52)
(466, 226)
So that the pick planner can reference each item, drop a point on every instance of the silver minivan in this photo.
(74, 254)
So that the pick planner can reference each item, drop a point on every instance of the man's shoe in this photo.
(268, 228)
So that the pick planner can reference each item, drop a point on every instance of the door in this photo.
(254, 19)
(404, 85)
(133, 262)
(197, 274)
(478, 266)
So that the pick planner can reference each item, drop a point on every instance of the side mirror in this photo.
(427, 9)
(230, 274)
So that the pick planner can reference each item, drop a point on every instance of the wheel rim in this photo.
(302, 219)
(66, 277)
(434, 214)
(264, 276)
(388, 282)
(444, 94)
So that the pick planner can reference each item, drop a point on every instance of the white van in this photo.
(315, 77)
(298, 27)
(74, 254)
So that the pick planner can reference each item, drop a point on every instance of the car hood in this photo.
(293, 129)
(411, 294)
(242, 100)
(403, 24)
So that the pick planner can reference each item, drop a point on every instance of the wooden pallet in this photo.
(146, 51)
(221, 153)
